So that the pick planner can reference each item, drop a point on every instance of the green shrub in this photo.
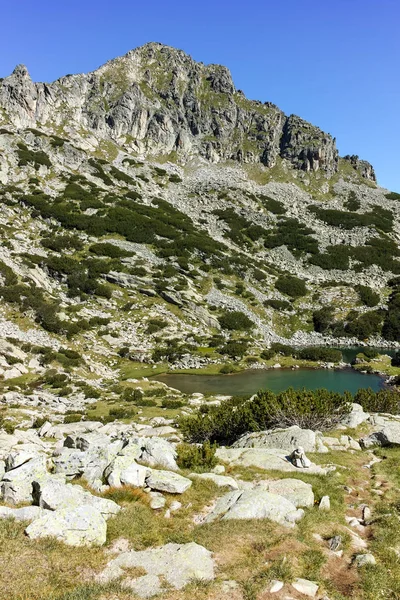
(27, 157)
(319, 409)
(322, 319)
(367, 296)
(386, 401)
(171, 403)
(278, 304)
(38, 422)
(122, 413)
(228, 369)
(365, 325)
(273, 206)
(121, 176)
(235, 321)
(174, 178)
(334, 257)
(392, 196)
(370, 353)
(73, 418)
(283, 349)
(132, 395)
(154, 325)
(10, 278)
(291, 286)
(296, 236)
(58, 243)
(156, 392)
(320, 354)
(197, 458)
(234, 349)
(108, 249)
(267, 354)
(380, 217)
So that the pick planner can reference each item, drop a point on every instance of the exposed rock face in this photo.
(307, 147)
(158, 100)
(362, 166)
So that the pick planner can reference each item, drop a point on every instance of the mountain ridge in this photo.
(158, 100)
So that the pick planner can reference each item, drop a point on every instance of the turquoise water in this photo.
(249, 382)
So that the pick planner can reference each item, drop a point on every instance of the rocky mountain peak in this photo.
(156, 100)
(21, 71)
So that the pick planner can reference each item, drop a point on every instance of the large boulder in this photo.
(296, 491)
(77, 526)
(355, 417)
(64, 429)
(255, 504)
(157, 452)
(122, 462)
(16, 485)
(70, 461)
(287, 439)
(176, 565)
(263, 458)
(166, 481)
(388, 436)
(54, 495)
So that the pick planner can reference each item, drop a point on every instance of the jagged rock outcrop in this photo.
(158, 100)
(365, 168)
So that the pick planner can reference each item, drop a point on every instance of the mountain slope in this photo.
(147, 200)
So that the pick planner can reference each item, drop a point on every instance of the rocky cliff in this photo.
(157, 100)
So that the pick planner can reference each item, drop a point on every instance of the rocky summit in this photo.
(153, 219)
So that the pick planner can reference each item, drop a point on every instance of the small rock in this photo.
(364, 559)
(306, 587)
(335, 542)
(276, 586)
(166, 481)
(325, 503)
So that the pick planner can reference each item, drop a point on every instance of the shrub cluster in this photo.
(291, 286)
(380, 218)
(319, 409)
(386, 401)
(296, 236)
(235, 320)
(196, 458)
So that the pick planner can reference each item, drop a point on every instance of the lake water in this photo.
(277, 380)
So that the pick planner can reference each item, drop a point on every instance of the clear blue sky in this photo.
(333, 62)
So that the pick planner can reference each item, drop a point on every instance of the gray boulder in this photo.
(287, 439)
(157, 452)
(77, 526)
(262, 458)
(16, 485)
(54, 495)
(175, 564)
(355, 417)
(296, 491)
(166, 481)
(388, 436)
(255, 504)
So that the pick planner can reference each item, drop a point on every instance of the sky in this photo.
(334, 63)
